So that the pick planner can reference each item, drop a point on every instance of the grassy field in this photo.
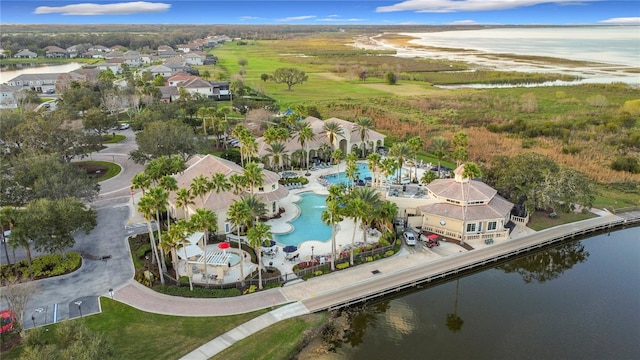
(541, 220)
(142, 335)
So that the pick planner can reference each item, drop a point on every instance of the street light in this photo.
(311, 252)
(79, 302)
(33, 317)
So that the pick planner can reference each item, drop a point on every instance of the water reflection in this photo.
(589, 312)
(547, 265)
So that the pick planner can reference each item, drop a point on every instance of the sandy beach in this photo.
(417, 45)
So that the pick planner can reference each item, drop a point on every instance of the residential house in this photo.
(220, 90)
(113, 55)
(87, 74)
(197, 86)
(168, 93)
(99, 48)
(159, 70)
(177, 78)
(270, 193)
(193, 58)
(7, 100)
(465, 209)
(176, 64)
(25, 54)
(115, 65)
(55, 52)
(165, 51)
(37, 82)
(348, 143)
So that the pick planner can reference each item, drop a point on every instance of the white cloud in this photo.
(464, 22)
(296, 18)
(622, 21)
(127, 8)
(247, 18)
(446, 6)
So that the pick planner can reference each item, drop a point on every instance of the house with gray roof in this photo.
(7, 100)
(25, 54)
(37, 82)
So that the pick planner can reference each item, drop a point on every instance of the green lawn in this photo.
(541, 220)
(113, 139)
(278, 341)
(107, 169)
(141, 335)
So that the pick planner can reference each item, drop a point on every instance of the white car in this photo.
(124, 126)
(409, 238)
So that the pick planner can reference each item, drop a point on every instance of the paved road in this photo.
(76, 294)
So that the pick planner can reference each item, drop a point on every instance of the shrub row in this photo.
(184, 291)
(43, 266)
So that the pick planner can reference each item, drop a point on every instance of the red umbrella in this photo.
(224, 246)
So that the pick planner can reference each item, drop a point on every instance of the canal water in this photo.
(579, 300)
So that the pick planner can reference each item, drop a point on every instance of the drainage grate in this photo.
(374, 272)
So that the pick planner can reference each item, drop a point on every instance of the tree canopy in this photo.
(536, 182)
(289, 76)
(167, 138)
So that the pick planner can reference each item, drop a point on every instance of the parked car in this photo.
(6, 321)
(124, 126)
(409, 238)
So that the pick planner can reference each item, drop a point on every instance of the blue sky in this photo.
(316, 12)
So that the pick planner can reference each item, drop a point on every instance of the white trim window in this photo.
(227, 228)
(471, 227)
(492, 225)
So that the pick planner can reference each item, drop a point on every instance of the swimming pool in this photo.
(363, 174)
(308, 225)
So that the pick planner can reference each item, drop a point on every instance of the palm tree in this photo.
(415, 146)
(428, 177)
(333, 130)
(206, 112)
(386, 213)
(200, 186)
(470, 171)
(337, 156)
(7, 216)
(351, 171)
(159, 199)
(174, 238)
(256, 236)
(239, 214)
(388, 166)
(277, 153)
(460, 143)
(237, 183)
(253, 175)
(242, 134)
(205, 220)
(141, 181)
(362, 127)
(355, 209)
(332, 216)
(305, 135)
(146, 206)
(373, 161)
(324, 151)
(256, 207)
(401, 152)
(440, 149)
(371, 205)
(168, 183)
(184, 199)
(219, 183)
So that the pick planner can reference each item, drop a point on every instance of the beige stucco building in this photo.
(349, 142)
(464, 209)
(270, 193)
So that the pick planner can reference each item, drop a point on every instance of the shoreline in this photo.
(410, 45)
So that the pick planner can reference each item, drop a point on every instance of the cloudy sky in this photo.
(355, 12)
